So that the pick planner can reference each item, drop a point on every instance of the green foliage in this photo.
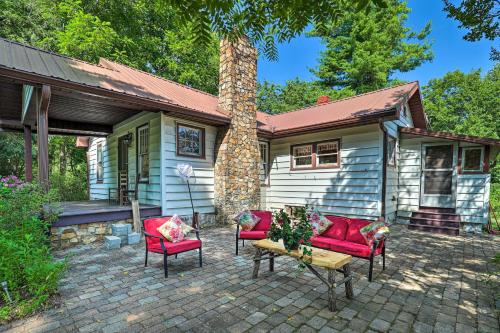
(365, 48)
(11, 153)
(264, 22)
(495, 204)
(465, 103)
(293, 233)
(26, 263)
(295, 94)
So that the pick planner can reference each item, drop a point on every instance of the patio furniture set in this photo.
(332, 250)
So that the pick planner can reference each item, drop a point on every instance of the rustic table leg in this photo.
(256, 263)
(348, 284)
(331, 290)
(271, 262)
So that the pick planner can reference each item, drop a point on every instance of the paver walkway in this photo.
(432, 283)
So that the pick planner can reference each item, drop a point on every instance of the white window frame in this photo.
(264, 160)
(392, 160)
(99, 173)
(294, 158)
(481, 166)
(142, 151)
(317, 155)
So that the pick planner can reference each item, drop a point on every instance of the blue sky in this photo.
(451, 52)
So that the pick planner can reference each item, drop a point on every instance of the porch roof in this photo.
(450, 136)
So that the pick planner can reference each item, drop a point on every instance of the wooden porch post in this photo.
(28, 154)
(43, 137)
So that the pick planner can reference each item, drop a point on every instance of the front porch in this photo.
(111, 291)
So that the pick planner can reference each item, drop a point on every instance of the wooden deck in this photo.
(81, 212)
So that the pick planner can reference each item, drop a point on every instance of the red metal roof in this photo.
(450, 136)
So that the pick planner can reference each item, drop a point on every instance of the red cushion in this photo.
(253, 234)
(353, 234)
(354, 249)
(322, 242)
(339, 228)
(172, 248)
(266, 218)
(150, 226)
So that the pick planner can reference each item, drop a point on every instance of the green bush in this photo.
(70, 186)
(26, 263)
(495, 204)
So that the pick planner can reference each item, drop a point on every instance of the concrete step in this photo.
(434, 222)
(434, 229)
(436, 216)
(436, 210)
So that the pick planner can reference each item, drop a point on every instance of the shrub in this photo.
(26, 263)
(495, 204)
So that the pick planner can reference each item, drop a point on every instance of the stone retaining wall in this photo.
(64, 237)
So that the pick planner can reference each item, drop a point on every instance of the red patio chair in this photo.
(156, 243)
(259, 231)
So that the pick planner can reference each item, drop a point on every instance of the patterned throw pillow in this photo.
(247, 220)
(317, 220)
(373, 231)
(174, 230)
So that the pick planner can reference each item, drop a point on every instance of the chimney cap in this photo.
(322, 99)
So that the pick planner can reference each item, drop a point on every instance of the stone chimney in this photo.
(322, 100)
(237, 184)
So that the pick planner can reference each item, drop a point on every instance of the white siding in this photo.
(176, 198)
(148, 193)
(472, 190)
(353, 190)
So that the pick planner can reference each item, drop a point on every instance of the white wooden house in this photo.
(369, 156)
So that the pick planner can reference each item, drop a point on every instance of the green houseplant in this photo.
(293, 233)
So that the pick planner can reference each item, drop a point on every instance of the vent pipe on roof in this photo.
(322, 100)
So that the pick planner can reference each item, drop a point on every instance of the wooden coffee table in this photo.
(333, 262)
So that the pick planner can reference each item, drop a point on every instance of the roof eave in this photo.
(449, 136)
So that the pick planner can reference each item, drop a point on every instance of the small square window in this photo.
(190, 141)
(472, 159)
(302, 156)
(327, 153)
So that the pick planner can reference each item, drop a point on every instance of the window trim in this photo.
(137, 145)
(314, 156)
(267, 181)
(178, 153)
(461, 163)
(393, 162)
(99, 180)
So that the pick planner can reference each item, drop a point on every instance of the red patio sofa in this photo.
(344, 236)
(156, 243)
(259, 231)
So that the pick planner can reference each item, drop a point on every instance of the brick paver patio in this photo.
(432, 283)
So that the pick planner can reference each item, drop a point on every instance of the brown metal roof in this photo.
(450, 136)
(111, 79)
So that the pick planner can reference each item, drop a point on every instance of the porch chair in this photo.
(259, 231)
(156, 243)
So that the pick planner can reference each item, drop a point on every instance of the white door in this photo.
(438, 180)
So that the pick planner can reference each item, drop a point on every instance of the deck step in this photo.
(436, 210)
(435, 229)
(434, 222)
(436, 216)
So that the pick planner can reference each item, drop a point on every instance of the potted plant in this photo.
(293, 233)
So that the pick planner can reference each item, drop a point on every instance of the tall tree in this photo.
(293, 95)
(365, 48)
(479, 17)
(465, 103)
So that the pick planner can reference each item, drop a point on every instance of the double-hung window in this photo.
(264, 161)
(190, 141)
(143, 152)
(316, 155)
(99, 163)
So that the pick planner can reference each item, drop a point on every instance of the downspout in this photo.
(384, 167)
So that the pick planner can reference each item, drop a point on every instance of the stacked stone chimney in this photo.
(237, 184)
